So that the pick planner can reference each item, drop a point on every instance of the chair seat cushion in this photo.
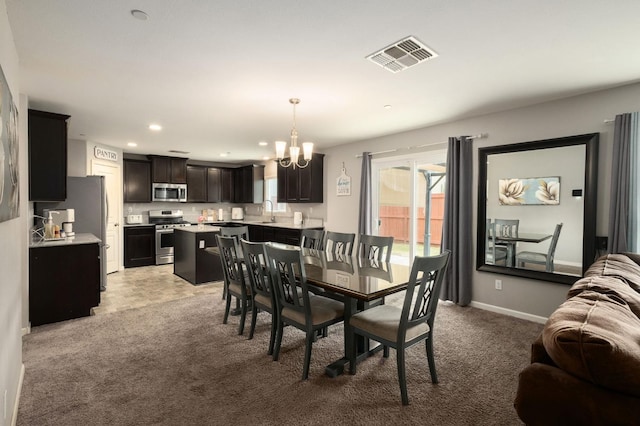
(236, 290)
(384, 321)
(531, 256)
(263, 300)
(323, 310)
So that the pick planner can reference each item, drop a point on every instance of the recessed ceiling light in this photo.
(138, 14)
(132, 144)
(263, 143)
(155, 127)
(387, 107)
(224, 154)
(266, 157)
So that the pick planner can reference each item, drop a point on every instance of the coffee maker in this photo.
(64, 219)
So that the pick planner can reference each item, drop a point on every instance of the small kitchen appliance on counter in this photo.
(134, 219)
(237, 213)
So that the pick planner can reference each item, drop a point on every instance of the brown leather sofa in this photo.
(585, 365)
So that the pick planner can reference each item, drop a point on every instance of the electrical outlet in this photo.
(130, 209)
(498, 284)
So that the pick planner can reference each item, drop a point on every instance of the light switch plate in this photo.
(201, 243)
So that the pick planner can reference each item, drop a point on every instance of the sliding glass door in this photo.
(408, 203)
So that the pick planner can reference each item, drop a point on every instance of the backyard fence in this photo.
(394, 221)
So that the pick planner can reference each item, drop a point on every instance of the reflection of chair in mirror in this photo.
(312, 238)
(506, 228)
(375, 247)
(493, 253)
(304, 311)
(338, 242)
(541, 258)
(401, 328)
(374, 268)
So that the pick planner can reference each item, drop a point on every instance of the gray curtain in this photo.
(366, 209)
(624, 203)
(456, 227)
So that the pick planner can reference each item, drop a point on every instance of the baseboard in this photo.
(510, 312)
(26, 330)
(14, 416)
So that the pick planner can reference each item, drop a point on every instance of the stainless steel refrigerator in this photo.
(88, 196)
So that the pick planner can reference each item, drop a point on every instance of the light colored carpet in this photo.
(175, 364)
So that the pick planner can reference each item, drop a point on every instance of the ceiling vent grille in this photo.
(402, 54)
(176, 151)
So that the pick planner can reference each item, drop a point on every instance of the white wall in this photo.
(13, 244)
(566, 117)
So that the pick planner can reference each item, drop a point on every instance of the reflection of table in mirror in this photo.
(522, 237)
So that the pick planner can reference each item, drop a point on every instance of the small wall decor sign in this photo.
(105, 154)
(343, 183)
(529, 191)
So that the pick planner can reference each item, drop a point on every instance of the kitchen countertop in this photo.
(131, 225)
(196, 229)
(76, 240)
(285, 225)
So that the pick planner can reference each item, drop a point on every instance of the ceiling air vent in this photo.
(402, 54)
(176, 151)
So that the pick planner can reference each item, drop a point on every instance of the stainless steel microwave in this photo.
(174, 192)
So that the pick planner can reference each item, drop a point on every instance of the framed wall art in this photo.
(9, 177)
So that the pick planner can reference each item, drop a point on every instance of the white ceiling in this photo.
(217, 75)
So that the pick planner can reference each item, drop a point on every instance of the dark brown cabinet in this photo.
(168, 169)
(64, 282)
(137, 181)
(226, 185)
(302, 185)
(197, 184)
(139, 246)
(248, 184)
(47, 156)
(214, 185)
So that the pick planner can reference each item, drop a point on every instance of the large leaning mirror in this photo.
(537, 208)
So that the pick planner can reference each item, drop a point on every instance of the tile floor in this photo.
(137, 287)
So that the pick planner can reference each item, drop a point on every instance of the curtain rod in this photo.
(609, 120)
(478, 136)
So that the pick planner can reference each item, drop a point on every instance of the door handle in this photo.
(107, 246)
(116, 224)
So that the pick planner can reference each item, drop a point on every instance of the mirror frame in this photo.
(590, 141)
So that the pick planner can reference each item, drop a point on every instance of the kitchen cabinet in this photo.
(226, 185)
(302, 185)
(139, 246)
(137, 181)
(248, 184)
(47, 156)
(168, 169)
(191, 259)
(219, 185)
(64, 282)
(197, 184)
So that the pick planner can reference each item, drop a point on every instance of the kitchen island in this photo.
(191, 262)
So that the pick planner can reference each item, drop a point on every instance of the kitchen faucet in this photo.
(272, 218)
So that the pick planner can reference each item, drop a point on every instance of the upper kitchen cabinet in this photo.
(47, 156)
(137, 181)
(196, 184)
(168, 169)
(302, 185)
(249, 184)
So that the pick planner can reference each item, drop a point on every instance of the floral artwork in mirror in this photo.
(519, 184)
(542, 190)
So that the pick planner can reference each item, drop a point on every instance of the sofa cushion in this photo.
(615, 287)
(616, 265)
(596, 337)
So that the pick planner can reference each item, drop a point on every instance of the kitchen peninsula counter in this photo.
(190, 260)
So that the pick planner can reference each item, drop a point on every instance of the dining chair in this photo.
(493, 252)
(304, 311)
(237, 232)
(255, 260)
(312, 238)
(541, 258)
(376, 247)
(339, 243)
(400, 328)
(234, 277)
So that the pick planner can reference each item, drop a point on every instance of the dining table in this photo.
(521, 237)
(360, 283)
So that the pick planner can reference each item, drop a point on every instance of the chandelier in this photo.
(294, 149)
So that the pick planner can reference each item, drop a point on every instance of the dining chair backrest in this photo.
(287, 276)
(255, 260)
(375, 247)
(339, 243)
(374, 268)
(229, 257)
(423, 290)
(312, 238)
(506, 227)
(493, 253)
(237, 232)
(554, 242)
(338, 262)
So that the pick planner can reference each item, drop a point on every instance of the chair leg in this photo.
(279, 331)
(272, 338)
(226, 310)
(254, 315)
(432, 362)
(307, 353)
(402, 376)
(243, 316)
(385, 351)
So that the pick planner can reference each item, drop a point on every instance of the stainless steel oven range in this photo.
(166, 221)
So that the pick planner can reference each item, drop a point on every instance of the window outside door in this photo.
(408, 203)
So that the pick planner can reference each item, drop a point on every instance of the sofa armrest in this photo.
(549, 396)
(539, 353)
